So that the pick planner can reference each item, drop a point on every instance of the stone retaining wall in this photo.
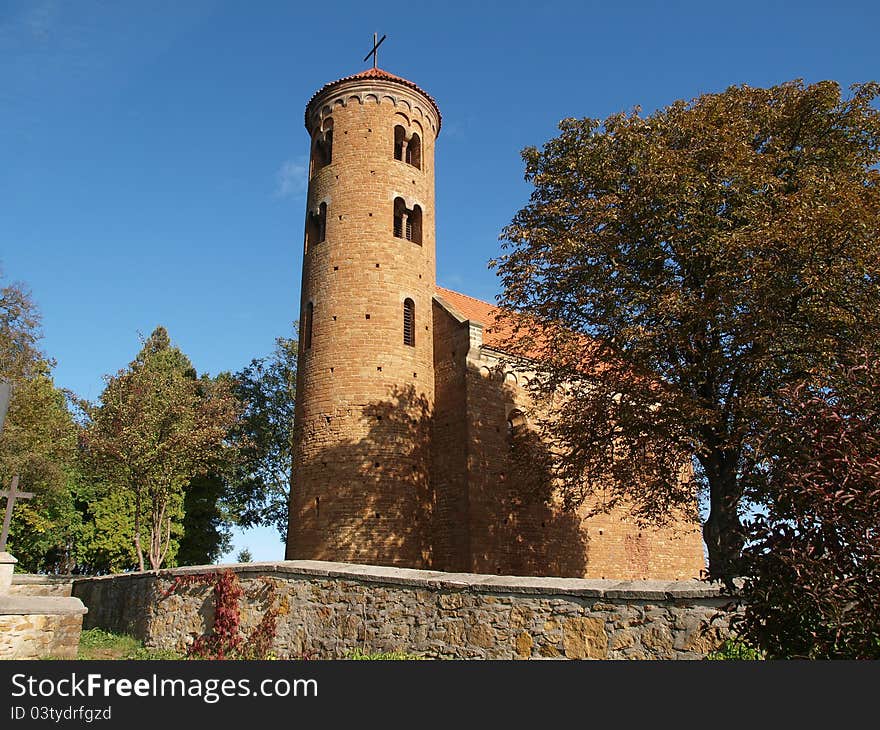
(27, 584)
(326, 610)
(39, 627)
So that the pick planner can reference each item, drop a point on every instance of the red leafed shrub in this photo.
(225, 640)
(812, 571)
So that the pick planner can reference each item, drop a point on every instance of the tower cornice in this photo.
(375, 85)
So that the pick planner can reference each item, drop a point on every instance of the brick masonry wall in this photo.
(449, 454)
(514, 530)
(326, 610)
(362, 432)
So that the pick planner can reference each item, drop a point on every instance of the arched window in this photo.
(409, 322)
(322, 146)
(414, 151)
(316, 226)
(399, 142)
(400, 218)
(307, 325)
(516, 419)
(407, 223)
(407, 148)
(516, 426)
(415, 228)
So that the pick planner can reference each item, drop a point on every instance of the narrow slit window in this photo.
(409, 323)
(322, 222)
(328, 146)
(307, 325)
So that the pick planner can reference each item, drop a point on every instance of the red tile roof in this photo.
(478, 311)
(376, 73)
(496, 333)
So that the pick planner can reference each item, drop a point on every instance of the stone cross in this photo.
(376, 45)
(11, 495)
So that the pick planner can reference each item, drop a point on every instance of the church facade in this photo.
(412, 444)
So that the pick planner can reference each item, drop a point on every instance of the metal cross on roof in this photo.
(376, 45)
(11, 495)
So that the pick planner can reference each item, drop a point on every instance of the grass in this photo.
(100, 644)
(735, 650)
(357, 654)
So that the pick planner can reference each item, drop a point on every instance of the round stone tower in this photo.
(360, 490)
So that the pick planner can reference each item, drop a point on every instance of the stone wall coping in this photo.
(469, 582)
(24, 579)
(41, 605)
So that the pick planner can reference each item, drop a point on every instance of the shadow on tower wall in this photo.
(365, 496)
(451, 489)
(516, 525)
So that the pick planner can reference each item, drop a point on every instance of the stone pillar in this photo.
(36, 627)
(7, 565)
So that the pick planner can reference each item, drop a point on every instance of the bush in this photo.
(812, 574)
(736, 650)
(225, 640)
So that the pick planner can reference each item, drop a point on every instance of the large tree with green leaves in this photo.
(207, 520)
(38, 442)
(675, 270)
(261, 483)
(156, 428)
(20, 355)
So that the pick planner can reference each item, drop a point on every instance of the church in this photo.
(412, 440)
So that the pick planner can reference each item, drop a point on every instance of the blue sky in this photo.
(152, 154)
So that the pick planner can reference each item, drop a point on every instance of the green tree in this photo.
(20, 356)
(261, 483)
(674, 271)
(108, 531)
(39, 442)
(156, 428)
(206, 522)
(244, 556)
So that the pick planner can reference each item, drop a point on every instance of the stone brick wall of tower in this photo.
(361, 484)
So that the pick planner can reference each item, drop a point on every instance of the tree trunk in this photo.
(723, 530)
(157, 554)
(155, 540)
(137, 530)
